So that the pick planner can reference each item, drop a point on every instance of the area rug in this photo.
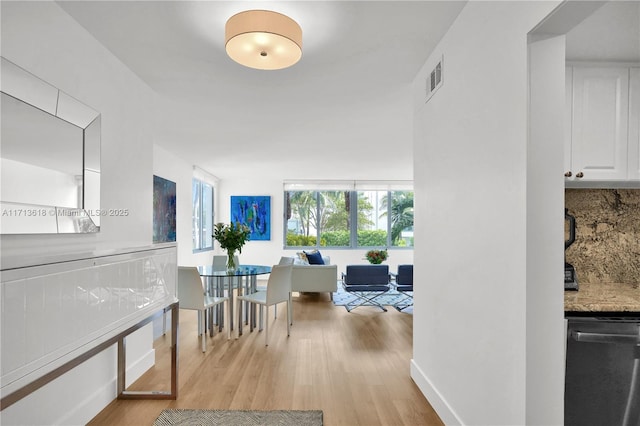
(390, 298)
(239, 418)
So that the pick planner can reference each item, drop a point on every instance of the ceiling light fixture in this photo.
(263, 39)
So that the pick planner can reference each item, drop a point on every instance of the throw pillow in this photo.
(303, 257)
(314, 258)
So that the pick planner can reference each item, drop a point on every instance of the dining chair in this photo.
(191, 295)
(284, 260)
(220, 264)
(278, 291)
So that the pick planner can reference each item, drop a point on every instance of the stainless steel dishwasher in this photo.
(602, 382)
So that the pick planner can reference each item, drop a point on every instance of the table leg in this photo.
(210, 317)
(240, 318)
(220, 308)
(252, 284)
(231, 304)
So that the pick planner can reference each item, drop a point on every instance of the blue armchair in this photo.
(404, 286)
(367, 283)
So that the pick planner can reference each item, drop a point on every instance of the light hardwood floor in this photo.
(352, 366)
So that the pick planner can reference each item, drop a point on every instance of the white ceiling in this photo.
(611, 33)
(319, 118)
(341, 112)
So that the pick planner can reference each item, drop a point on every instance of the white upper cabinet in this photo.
(599, 124)
(634, 124)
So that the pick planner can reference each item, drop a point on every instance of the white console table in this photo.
(64, 310)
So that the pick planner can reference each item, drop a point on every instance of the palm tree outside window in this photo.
(349, 219)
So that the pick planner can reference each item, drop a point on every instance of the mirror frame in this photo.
(21, 218)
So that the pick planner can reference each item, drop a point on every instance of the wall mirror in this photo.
(49, 158)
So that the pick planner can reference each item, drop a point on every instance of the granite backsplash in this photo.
(607, 245)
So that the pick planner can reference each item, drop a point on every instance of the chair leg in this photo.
(266, 329)
(204, 334)
(289, 319)
(210, 322)
(239, 309)
(364, 298)
(290, 310)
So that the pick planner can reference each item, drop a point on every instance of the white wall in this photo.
(43, 39)
(470, 177)
(269, 252)
(26, 183)
(545, 232)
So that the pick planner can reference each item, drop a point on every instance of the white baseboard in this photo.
(88, 408)
(439, 404)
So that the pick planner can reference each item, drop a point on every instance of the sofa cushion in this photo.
(314, 257)
(367, 275)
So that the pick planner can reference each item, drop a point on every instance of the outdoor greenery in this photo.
(326, 210)
(329, 213)
(373, 238)
(401, 213)
(301, 240)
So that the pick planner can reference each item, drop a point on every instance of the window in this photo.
(348, 218)
(313, 214)
(388, 219)
(202, 193)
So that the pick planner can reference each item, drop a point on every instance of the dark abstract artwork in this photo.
(164, 210)
(255, 212)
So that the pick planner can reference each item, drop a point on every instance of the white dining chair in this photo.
(284, 260)
(278, 291)
(191, 295)
(220, 264)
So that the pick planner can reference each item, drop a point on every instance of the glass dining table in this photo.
(222, 282)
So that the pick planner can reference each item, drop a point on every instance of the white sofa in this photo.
(315, 278)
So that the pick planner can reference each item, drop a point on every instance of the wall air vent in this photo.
(434, 80)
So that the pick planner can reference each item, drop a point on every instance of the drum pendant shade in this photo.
(263, 39)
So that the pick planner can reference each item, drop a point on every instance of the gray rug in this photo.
(239, 418)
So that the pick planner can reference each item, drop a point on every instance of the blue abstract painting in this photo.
(255, 212)
(164, 210)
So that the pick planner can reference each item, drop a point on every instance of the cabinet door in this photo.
(569, 174)
(634, 124)
(600, 115)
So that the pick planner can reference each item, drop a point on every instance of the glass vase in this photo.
(231, 262)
